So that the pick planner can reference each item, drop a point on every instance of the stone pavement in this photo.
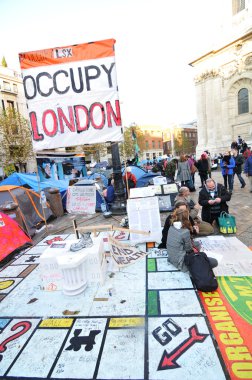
(240, 206)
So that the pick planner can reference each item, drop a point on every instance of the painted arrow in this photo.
(168, 361)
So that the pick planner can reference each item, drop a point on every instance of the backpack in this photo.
(201, 272)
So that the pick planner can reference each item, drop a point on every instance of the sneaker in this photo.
(84, 242)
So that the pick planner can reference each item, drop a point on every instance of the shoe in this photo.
(242, 186)
(84, 242)
(200, 187)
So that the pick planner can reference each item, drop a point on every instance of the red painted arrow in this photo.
(168, 361)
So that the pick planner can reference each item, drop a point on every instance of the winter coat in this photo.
(178, 242)
(238, 163)
(248, 166)
(184, 172)
(229, 168)
(204, 197)
(202, 165)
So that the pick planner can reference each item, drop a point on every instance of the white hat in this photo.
(89, 172)
(128, 169)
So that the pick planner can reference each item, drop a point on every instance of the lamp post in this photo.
(119, 205)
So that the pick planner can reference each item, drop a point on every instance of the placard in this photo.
(81, 199)
(124, 254)
(144, 215)
(142, 192)
(159, 180)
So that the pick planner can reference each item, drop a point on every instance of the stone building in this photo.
(12, 95)
(223, 80)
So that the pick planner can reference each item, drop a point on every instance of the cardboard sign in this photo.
(124, 254)
(81, 199)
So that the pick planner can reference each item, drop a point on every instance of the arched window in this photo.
(243, 101)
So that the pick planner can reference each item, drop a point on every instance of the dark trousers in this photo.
(242, 182)
(228, 180)
(203, 177)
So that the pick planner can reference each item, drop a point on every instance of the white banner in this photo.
(81, 199)
(72, 95)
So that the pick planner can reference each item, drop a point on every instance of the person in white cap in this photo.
(129, 178)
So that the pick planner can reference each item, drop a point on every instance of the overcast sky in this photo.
(155, 42)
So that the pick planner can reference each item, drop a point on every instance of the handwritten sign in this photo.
(72, 95)
(124, 254)
(81, 199)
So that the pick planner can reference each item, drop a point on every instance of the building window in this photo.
(153, 144)
(15, 89)
(10, 104)
(159, 145)
(6, 86)
(147, 144)
(243, 101)
(238, 6)
(160, 154)
(147, 155)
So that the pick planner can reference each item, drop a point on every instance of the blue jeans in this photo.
(242, 182)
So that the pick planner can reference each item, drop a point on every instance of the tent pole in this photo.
(39, 189)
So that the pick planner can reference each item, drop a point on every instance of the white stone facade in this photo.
(219, 75)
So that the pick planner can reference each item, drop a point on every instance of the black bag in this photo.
(201, 272)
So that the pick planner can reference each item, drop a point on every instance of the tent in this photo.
(30, 208)
(11, 235)
(31, 181)
(143, 177)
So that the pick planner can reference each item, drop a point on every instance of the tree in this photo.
(97, 150)
(4, 63)
(16, 139)
(132, 136)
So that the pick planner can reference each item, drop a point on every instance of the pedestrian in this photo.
(129, 180)
(213, 198)
(227, 165)
(248, 170)
(184, 172)
(204, 228)
(180, 242)
(202, 166)
(193, 169)
(239, 160)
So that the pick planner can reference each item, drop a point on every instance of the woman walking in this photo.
(227, 165)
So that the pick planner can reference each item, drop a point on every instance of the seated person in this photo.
(109, 193)
(205, 228)
(179, 205)
(179, 241)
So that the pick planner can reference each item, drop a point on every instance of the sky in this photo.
(155, 42)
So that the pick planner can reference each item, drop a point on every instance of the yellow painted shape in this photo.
(57, 322)
(126, 322)
(228, 290)
(6, 284)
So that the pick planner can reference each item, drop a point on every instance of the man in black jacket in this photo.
(213, 198)
(238, 167)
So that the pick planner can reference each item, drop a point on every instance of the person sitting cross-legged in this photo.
(205, 228)
(179, 240)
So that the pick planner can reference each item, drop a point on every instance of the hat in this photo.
(128, 169)
(89, 172)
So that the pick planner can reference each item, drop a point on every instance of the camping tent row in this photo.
(29, 206)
